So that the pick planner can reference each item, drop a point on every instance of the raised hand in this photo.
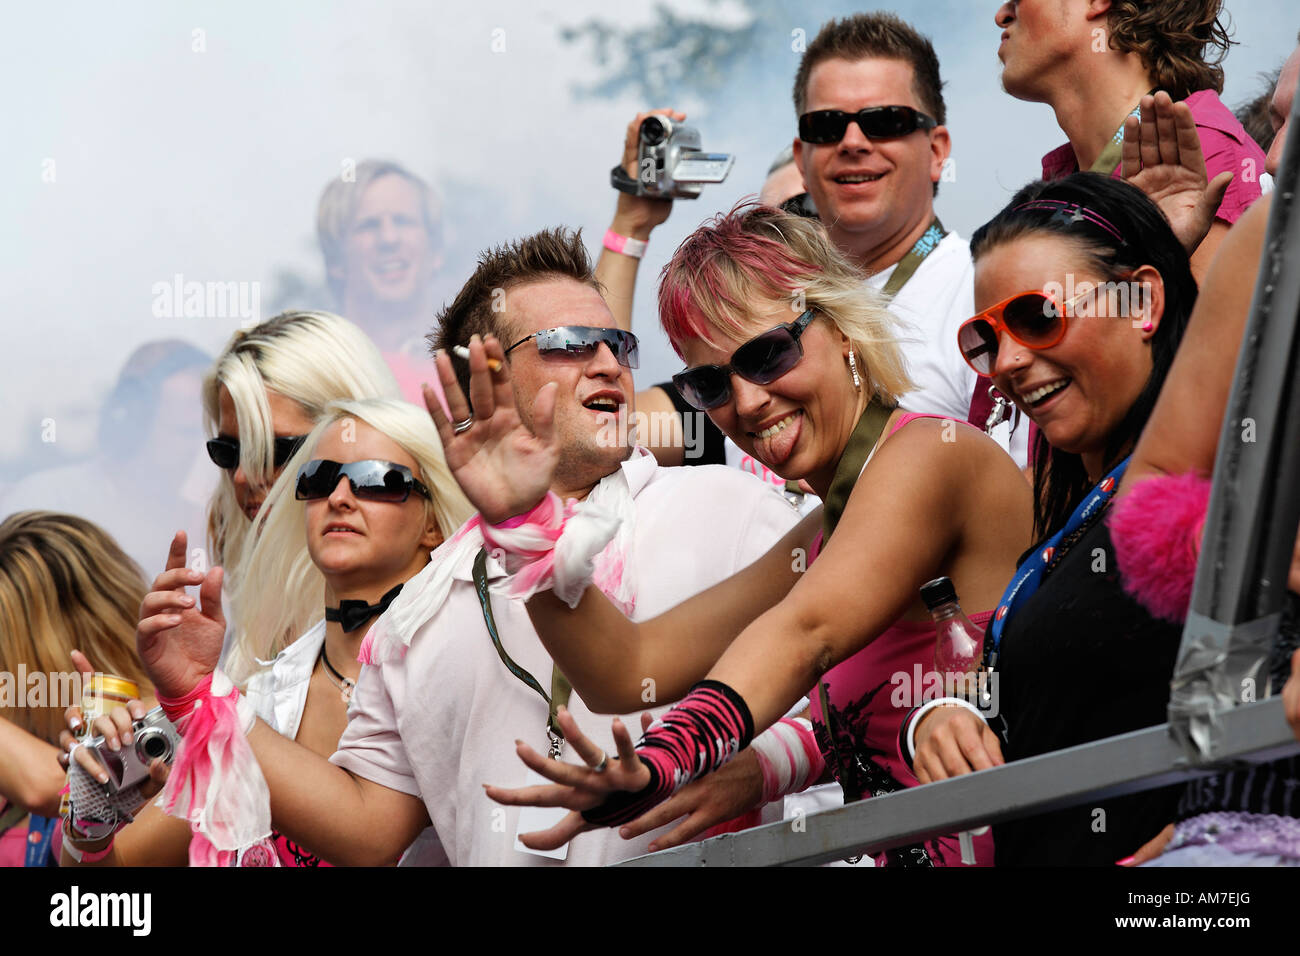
(1162, 157)
(178, 640)
(503, 467)
(576, 788)
(637, 216)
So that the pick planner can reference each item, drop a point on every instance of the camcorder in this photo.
(670, 163)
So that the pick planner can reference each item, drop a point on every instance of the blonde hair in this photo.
(311, 358)
(291, 595)
(709, 285)
(65, 585)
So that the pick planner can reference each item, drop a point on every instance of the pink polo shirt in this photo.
(1226, 145)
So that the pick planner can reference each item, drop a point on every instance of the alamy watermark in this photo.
(917, 687)
(1110, 298)
(654, 430)
(191, 299)
(60, 689)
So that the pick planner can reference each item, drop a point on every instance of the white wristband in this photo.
(929, 706)
(624, 245)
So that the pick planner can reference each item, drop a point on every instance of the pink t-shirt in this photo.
(870, 694)
(410, 374)
(1226, 145)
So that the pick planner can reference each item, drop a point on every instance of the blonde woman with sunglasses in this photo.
(370, 496)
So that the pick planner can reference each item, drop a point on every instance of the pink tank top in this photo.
(870, 694)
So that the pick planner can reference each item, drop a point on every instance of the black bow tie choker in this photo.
(352, 615)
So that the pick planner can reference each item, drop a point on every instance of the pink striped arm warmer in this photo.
(707, 728)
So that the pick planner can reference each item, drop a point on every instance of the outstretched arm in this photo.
(862, 583)
(343, 818)
(606, 657)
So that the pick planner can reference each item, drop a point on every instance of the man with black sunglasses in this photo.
(872, 147)
(458, 671)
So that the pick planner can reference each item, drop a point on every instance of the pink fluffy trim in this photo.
(1156, 529)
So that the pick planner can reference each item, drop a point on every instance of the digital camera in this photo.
(670, 163)
(153, 736)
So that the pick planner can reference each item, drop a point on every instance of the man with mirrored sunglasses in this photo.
(872, 148)
(456, 672)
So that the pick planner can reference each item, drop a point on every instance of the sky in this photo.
(147, 140)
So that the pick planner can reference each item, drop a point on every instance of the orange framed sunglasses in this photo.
(1033, 319)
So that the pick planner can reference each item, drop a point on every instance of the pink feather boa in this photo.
(1156, 529)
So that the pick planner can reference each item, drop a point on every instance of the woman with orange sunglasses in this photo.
(1086, 293)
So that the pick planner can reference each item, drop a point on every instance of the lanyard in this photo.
(865, 435)
(560, 688)
(908, 265)
(40, 831)
(1030, 574)
(1110, 157)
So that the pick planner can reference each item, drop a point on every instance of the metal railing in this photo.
(1222, 663)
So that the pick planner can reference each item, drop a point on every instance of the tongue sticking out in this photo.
(775, 449)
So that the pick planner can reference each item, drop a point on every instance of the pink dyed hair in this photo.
(706, 287)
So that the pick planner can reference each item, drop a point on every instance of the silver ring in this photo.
(600, 767)
(466, 425)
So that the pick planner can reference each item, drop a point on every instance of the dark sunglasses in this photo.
(876, 122)
(574, 341)
(1032, 319)
(372, 480)
(224, 452)
(761, 360)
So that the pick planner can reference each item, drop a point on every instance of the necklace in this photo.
(345, 684)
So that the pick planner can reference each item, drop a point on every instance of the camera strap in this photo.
(908, 265)
(560, 688)
(620, 180)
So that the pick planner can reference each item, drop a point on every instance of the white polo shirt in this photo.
(441, 721)
(931, 306)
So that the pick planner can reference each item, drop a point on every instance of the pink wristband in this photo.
(624, 245)
(178, 708)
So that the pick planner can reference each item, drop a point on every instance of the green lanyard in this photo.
(865, 435)
(560, 688)
(908, 265)
(1110, 157)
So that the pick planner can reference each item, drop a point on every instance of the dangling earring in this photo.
(853, 367)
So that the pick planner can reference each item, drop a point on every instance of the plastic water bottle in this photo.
(958, 655)
(959, 644)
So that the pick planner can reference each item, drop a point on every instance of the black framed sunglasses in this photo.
(372, 479)
(761, 360)
(876, 122)
(224, 452)
(574, 341)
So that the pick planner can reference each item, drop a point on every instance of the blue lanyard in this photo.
(40, 832)
(1030, 574)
